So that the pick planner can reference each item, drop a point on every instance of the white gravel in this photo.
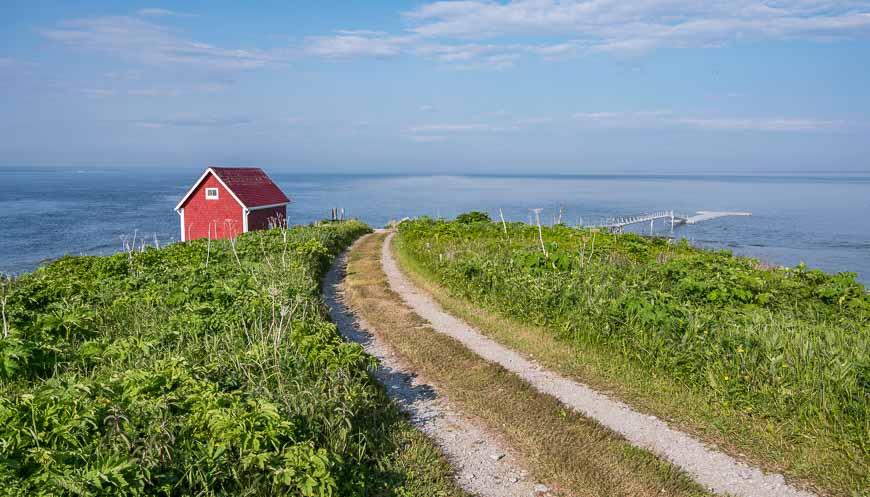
(482, 465)
(708, 466)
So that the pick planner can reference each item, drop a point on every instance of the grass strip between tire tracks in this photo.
(572, 453)
(758, 442)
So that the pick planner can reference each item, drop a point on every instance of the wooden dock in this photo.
(708, 216)
(620, 222)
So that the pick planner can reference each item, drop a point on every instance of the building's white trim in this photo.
(192, 189)
(245, 209)
(181, 215)
(195, 185)
(267, 206)
(217, 177)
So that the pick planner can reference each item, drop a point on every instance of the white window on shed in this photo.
(211, 193)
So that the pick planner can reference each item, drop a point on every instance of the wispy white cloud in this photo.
(352, 44)
(762, 124)
(148, 42)
(453, 32)
(361, 43)
(158, 12)
(617, 25)
(621, 117)
(241, 124)
(557, 50)
(668, 119)
(154, 12)
(97, 92)
(177, 92)
(495, 122)
(356, 43)
(361, 32)
(456, 128)
(203, 88)
(652, 119)
(196, 121)
(470, 55)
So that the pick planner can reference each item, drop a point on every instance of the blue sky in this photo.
(533, 86)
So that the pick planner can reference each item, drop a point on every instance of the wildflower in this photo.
(739, 350)
(727, 377)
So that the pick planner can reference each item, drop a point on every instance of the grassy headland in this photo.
(199, 369)
(770, 363)
(575, 454)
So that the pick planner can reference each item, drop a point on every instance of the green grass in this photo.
(774, 364)
(569, 452)
(200, 369)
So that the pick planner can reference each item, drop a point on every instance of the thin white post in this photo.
(540, 230)
(208, 248)
(4, 282)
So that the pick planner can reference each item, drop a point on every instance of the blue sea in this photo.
(822, 220)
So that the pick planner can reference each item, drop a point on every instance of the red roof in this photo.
(250, 186)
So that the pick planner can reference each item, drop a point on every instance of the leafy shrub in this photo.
(789, 347)
(158, 373)
(473, 217)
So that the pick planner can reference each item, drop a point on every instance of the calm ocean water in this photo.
(822, 220)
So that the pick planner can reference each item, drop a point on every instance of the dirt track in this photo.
(708, 466)
(483, 466)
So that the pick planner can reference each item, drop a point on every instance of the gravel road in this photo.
(482, 465)
(708, 466)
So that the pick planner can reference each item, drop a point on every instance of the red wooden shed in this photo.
(226, 201)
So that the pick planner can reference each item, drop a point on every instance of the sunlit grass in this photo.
(204, 368)
(772, 363)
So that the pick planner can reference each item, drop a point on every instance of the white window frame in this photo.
(208, 192)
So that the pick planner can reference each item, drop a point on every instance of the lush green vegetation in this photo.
(200, 369)
(569, 452)
(472, 217)
(785, 349)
